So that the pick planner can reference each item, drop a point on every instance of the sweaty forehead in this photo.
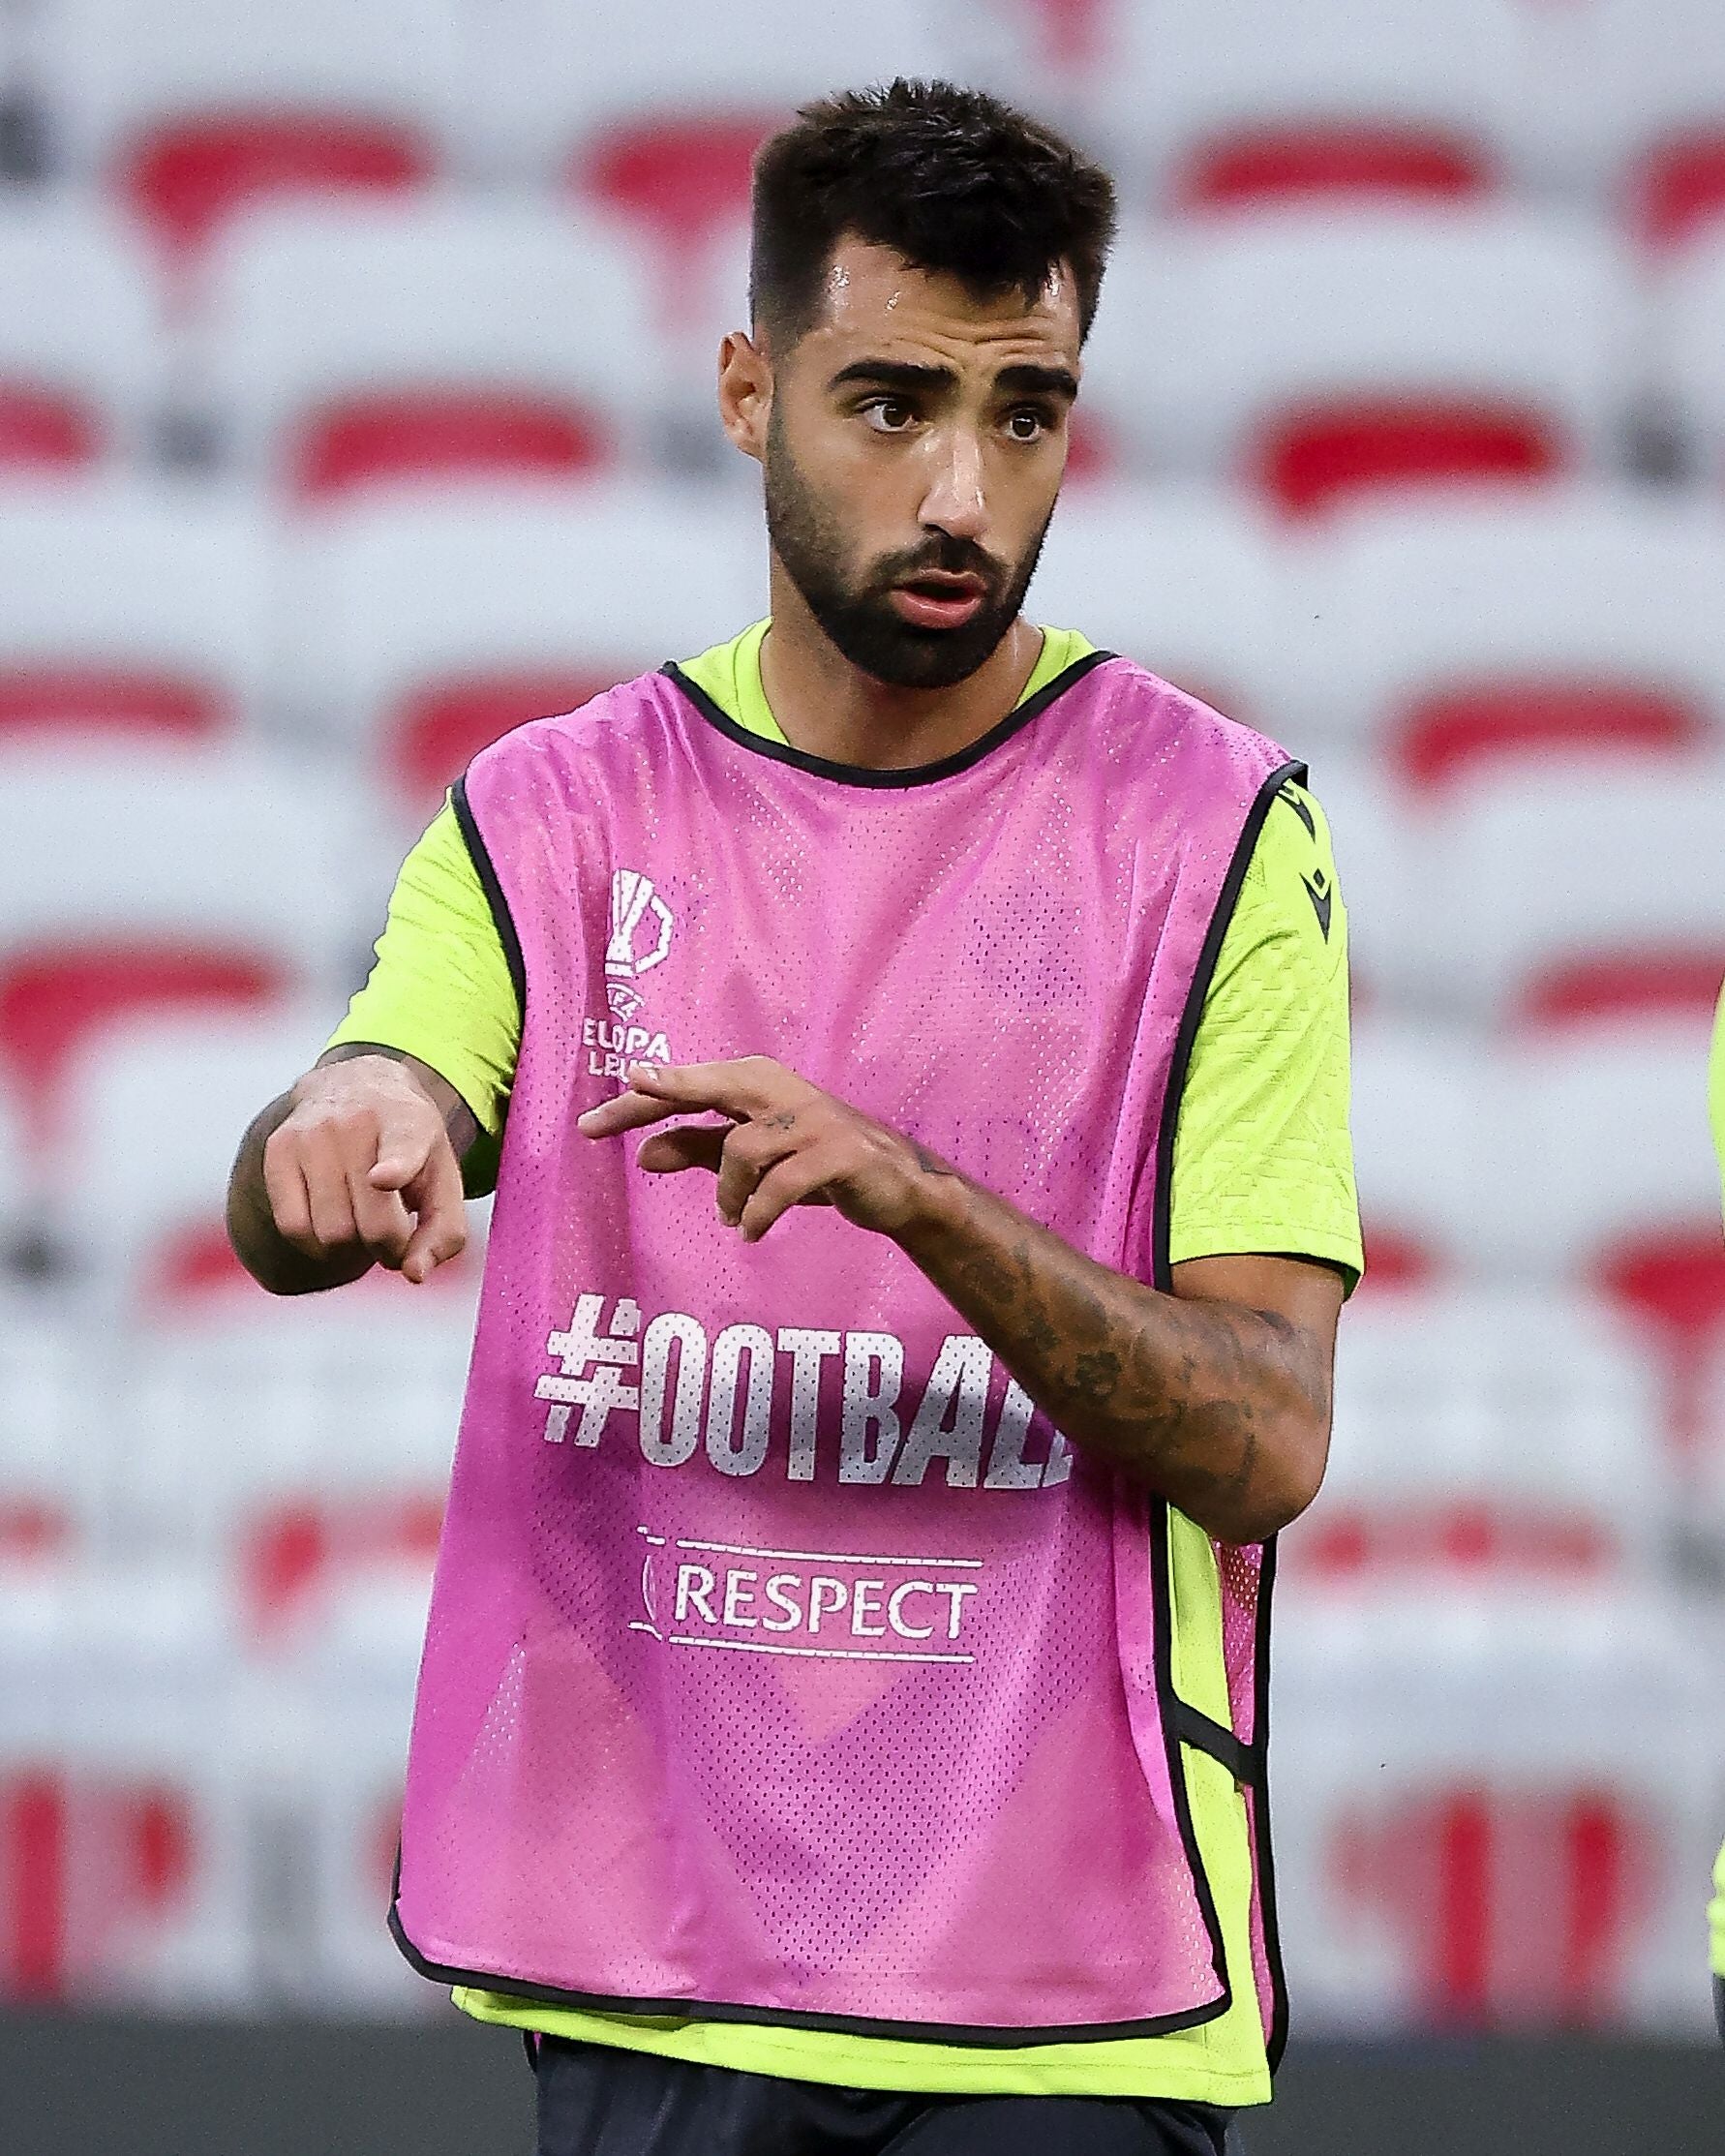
(871, 296)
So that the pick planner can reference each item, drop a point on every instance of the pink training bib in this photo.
(783, 1662)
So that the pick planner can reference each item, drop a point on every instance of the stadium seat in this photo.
(188, 111)
(1186, 581)
(132, 610)
(1488, 1435)
(1584, 898)
(1464, 639)
(259, 901)
(122, 1862)
(1427, 1117)
(303, 1515)
(1491, 1808)
(427, 633)
(431, 343)
(1317, 357)
(550, 78)
(1688, 379)
(1607, 1175)
(1360, 100)
(56, 1516)
(1633, 110)
(83, 358)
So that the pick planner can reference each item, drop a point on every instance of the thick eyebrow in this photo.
(894, 373)
(1024, 378)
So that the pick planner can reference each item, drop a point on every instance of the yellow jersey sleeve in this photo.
(1263, 1159)
(1716, 1085)
(440, 987)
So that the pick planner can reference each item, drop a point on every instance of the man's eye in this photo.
(888, 414)
(1027, 424)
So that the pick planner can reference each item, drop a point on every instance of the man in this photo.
(842, 1719)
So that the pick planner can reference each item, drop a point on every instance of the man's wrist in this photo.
(938, 1202)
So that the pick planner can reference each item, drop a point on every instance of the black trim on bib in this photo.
(859, 775)
(984, 2038)
(1244, 1762)
(1181, 1723)
(480, 855)
(1277, 2041)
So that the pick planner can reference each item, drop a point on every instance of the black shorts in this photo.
(597, 2100)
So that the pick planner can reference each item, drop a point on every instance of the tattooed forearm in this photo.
(1221, 1408)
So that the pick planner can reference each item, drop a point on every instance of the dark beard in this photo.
(860, 621)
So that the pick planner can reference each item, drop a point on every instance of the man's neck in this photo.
(829, 708)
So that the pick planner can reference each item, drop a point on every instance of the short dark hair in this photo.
(952, 179)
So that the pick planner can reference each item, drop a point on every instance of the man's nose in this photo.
(954, 501)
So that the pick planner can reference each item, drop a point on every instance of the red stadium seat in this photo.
(1314, 457)
(437, 730)
(1678, 186)
(1624, 986)
(54, 1824)
(186, 176)
(47, 429)
(1671, 1281)
(82, 699)
(1455, 730)
(682, 176)
(1382, 162)
(299, 1546)
(1438, 1867)
(55, 998)
(363, 441)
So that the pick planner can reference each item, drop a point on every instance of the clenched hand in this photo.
(362, 1163)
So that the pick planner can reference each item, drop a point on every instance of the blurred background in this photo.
(355, 403)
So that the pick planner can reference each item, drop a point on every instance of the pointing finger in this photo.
(440, 1230)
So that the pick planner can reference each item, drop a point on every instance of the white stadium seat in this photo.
(1188, 82)
(1562, 896)
(426, 632)
(442, 339)
(1184, 581)
(84, 350)
(1310, 356)
(125, 1872)
(1690, 334)
(188, 879)
(548, 74)
(1459, 634)
(1492, 1810)
(1489, 1435)
(187, 106)
(1605, 1148)
(135, 609)
(1426, 1115)
(1631, 106)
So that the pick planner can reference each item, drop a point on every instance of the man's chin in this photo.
(900, 655)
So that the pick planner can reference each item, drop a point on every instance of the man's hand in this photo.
(1216, 1396)
(785, 1143)
(356, 1165)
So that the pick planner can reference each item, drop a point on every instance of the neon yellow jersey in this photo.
(1715, 1100)
(1262, 1163)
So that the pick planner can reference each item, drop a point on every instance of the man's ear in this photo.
(746, 393)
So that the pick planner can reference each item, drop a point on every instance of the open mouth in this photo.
(939, 600)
